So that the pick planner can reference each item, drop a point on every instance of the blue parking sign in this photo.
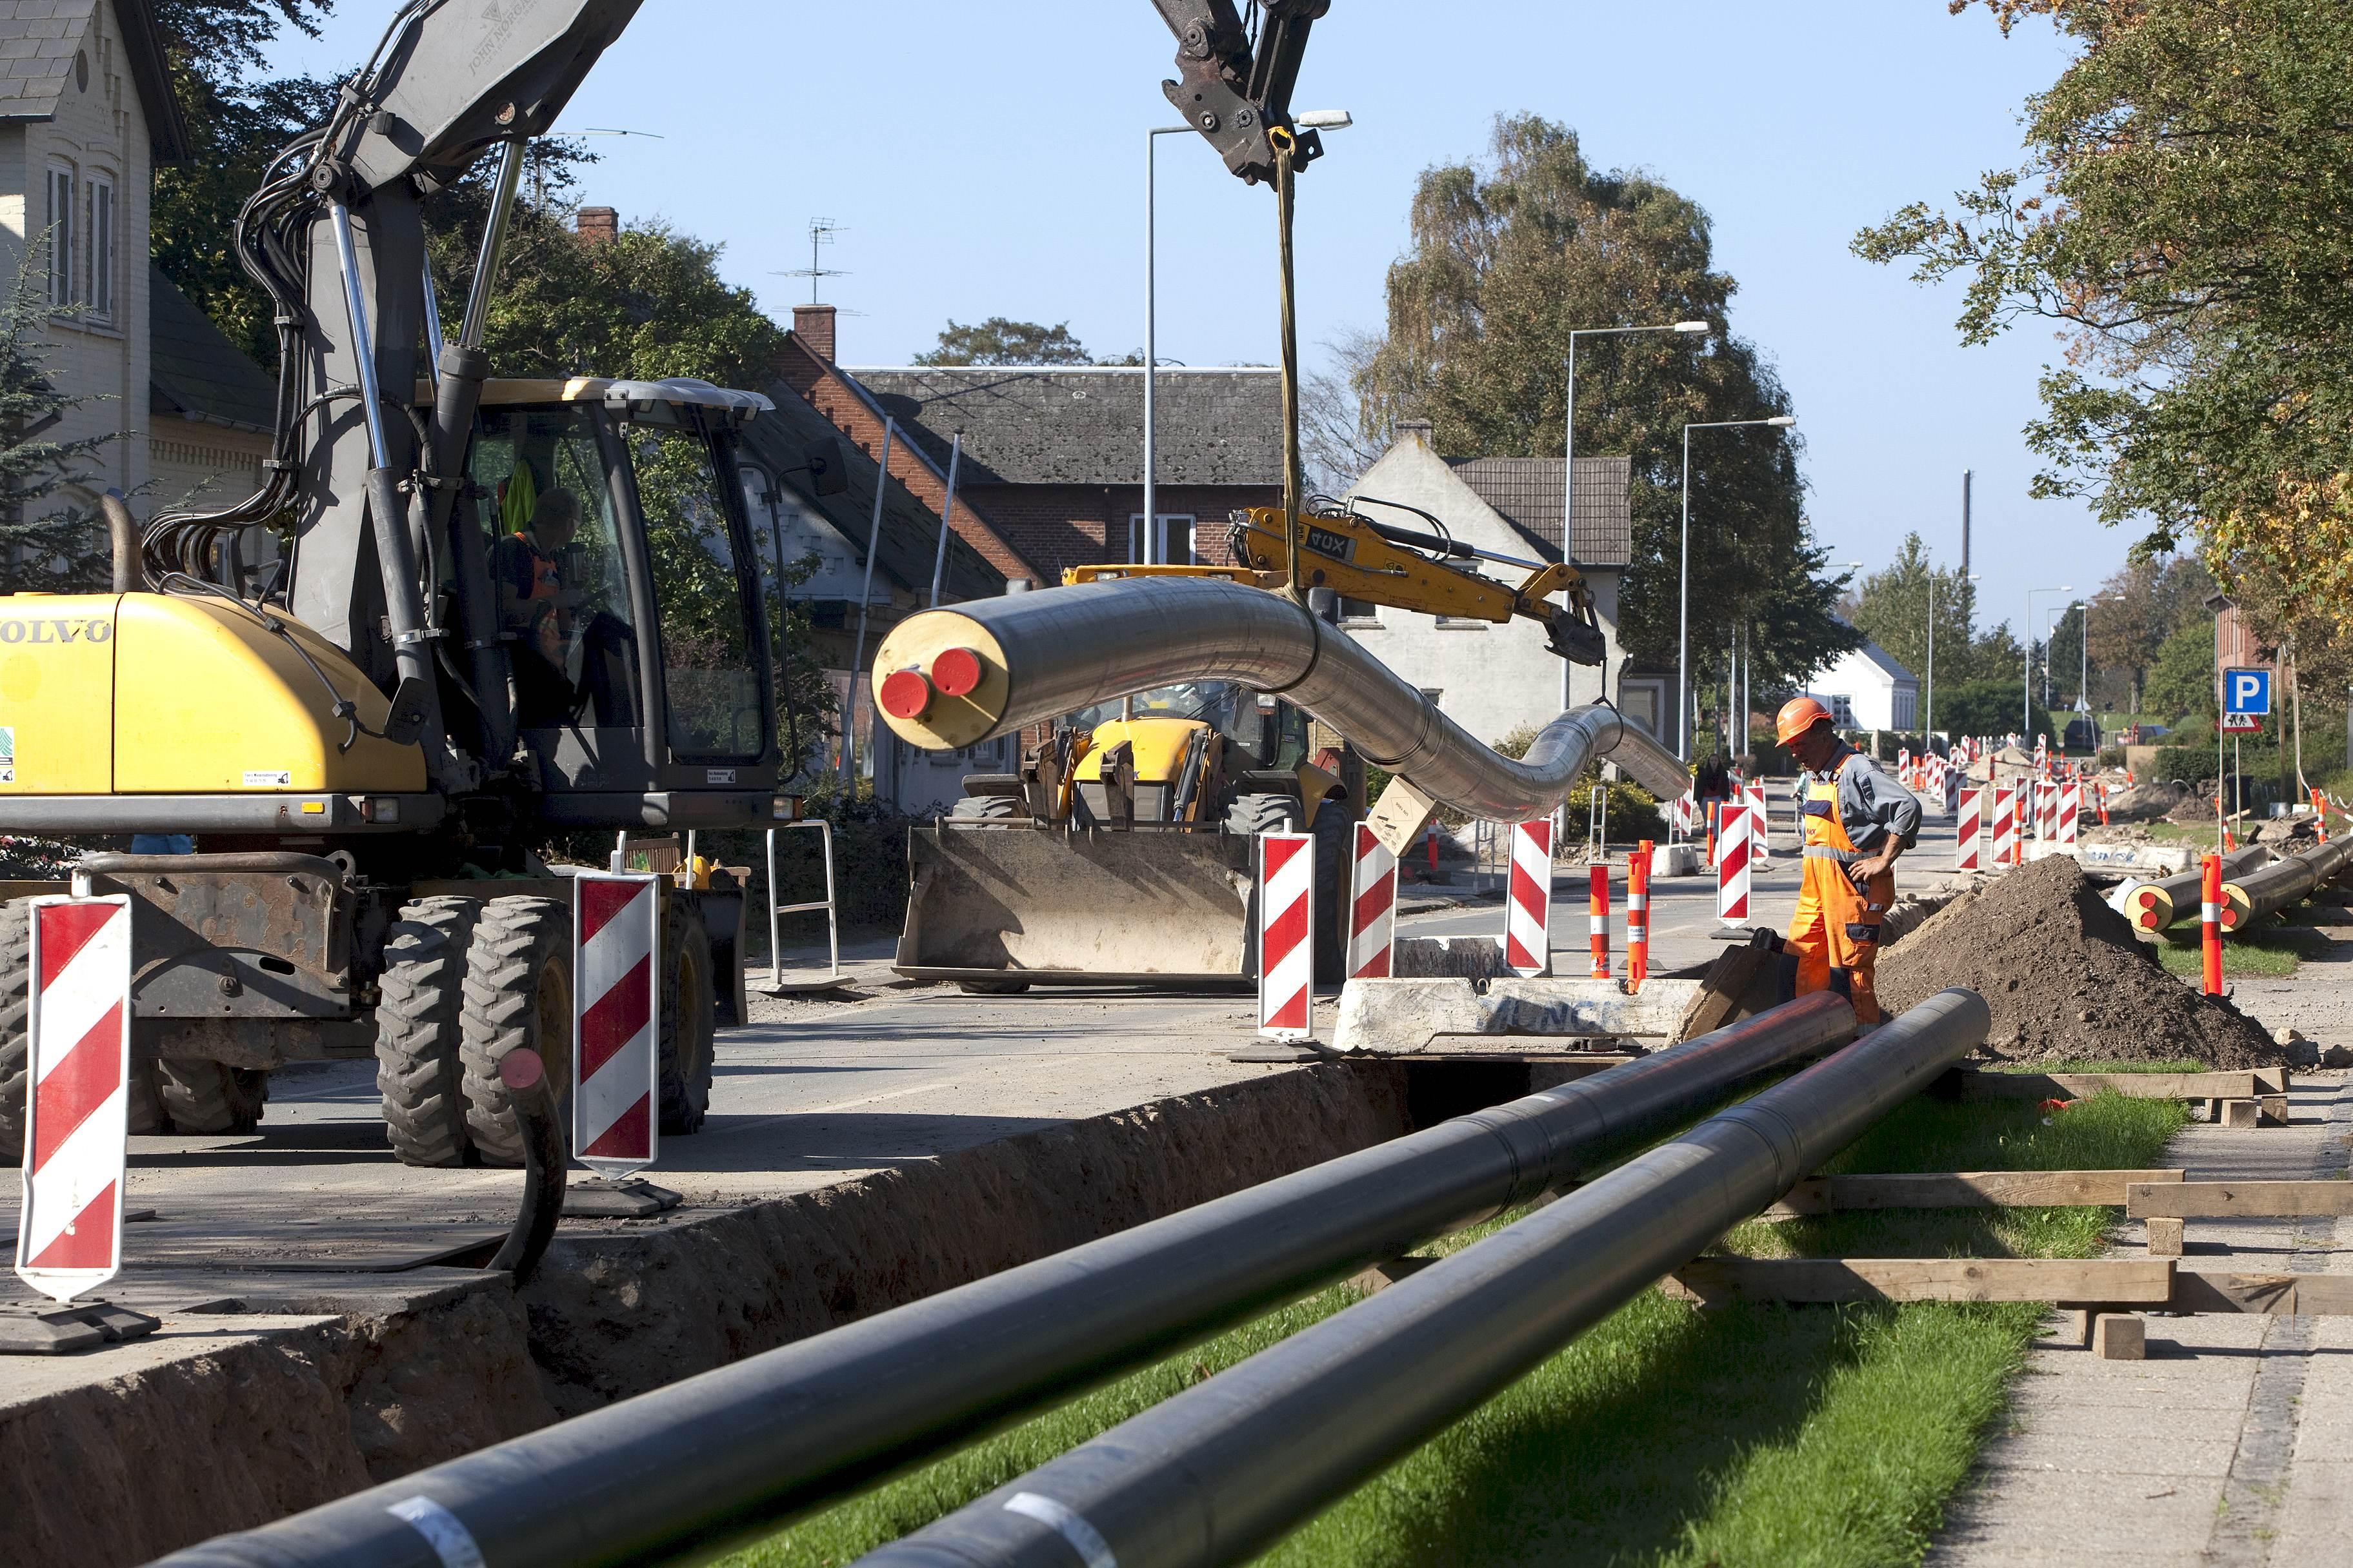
(2247, 691)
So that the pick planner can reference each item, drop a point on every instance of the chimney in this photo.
(1411, 430)
(813, 324)
(595, 223)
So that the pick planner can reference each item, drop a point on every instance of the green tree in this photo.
(1891, 607)
(1508, 256)
(1988, 707)
(48, 544)
(2140, 605)
(999, 341)
(2180, 213)
(237, 124)
(2181, 677)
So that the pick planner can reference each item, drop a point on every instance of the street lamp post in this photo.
(1314, 119)
(2026, 701)
(1568, 446)
(1682, 586)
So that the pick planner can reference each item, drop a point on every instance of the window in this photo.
(706, 615)
(1175, 538)
(101, 248)
(59, 221)
(1360, 613)
(1842, 713)
(1461, 623)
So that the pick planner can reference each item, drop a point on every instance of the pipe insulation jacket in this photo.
(1224, 1468)
(725, 1456)
(2156, 906)
(1021, 660)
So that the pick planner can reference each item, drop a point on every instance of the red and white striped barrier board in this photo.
(1758, 823)
(77, 1127)
(1372, 908)
(1732, 866)
(616, 932)
(1970, 833)
(2046, 811)
(2070, 809)
(2004, 826)
(1286, 935)
(1527, 920)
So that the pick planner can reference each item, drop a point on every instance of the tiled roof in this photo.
(784, 440)
(195, 372)
(1084, 426)
(38, 40)
(1527, 491)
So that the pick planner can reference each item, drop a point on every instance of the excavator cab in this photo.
(629, 596)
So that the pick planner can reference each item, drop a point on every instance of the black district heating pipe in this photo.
(1218, 1472)
(2248, 898)
(724, 1456)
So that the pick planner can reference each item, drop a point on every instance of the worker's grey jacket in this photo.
(1871, 804)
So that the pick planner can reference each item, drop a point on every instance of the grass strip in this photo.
(1666, 1434)
(2274, 951)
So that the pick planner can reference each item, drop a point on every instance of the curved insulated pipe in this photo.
(946, 678)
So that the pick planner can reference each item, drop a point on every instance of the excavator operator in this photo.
(1858, 820)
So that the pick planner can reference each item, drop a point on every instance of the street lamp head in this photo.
(1323, 119)
(1782, 421)
(1690, 326)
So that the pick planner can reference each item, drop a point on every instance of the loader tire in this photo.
(518, 990)
(993, 987)
(989, 808)
(418, 1068)
(15, 1043)
(210, 1096)
(688, 1014)
(1251, 814)
(1010, 786)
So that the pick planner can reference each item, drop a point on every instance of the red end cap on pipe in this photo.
(905, 694)
(957, 672)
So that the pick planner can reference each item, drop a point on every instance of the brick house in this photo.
(1052, 467)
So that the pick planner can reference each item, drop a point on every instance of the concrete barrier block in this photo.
(1406, 1017)
(1675, 861)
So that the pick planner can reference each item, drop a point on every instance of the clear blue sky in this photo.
(988, 160)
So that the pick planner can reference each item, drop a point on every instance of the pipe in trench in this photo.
(1040, 656)
(727, 1456)
(1225, 1467)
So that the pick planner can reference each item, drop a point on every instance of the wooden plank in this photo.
(2329, 1294)
(2127, 1281)
(2131, 1085)
(2237, 1200)
(1962, 1189)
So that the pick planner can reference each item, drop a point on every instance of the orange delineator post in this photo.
(1600, 912)
(1638, 916)
(2321, 812)
(2209, 919)
(1430, 842)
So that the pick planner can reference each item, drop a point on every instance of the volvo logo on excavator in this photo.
(95, 629)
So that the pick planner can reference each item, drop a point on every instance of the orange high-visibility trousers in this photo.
(1835, 930)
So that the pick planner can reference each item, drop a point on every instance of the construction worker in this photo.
(1857, 822)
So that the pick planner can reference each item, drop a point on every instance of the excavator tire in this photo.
(417, 1065)
(989, 808)
(202, 1096)
(518, 993)
(146, 1098)
(1251, 814)
(683, 1073)
(16, 1042)
(993, 987)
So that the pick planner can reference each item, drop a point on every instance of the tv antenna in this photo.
(821, 231)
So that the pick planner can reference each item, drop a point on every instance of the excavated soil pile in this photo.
(2066, 978)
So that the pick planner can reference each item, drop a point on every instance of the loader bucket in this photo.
(1078, 907)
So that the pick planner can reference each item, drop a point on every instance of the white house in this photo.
(1492, 679)
(1867, 690)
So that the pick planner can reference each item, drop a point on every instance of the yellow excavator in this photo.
(1126, 852)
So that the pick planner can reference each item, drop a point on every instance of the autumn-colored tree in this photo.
(2180, 213)
(1507, 258)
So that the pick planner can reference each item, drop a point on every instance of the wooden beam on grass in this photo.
(2237, 1200)
(2111, 1281)
(2260, 1082)
(1962, 1189)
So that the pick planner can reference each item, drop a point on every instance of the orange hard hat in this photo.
(1798, 715)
